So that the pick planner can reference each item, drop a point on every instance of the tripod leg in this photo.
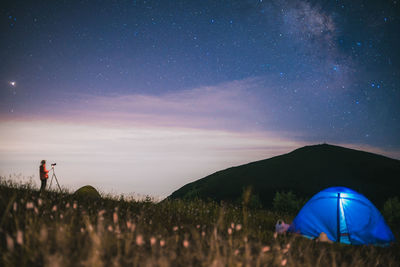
(59, 187)
(51, 181)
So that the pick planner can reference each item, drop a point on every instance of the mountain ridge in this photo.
(304, 171)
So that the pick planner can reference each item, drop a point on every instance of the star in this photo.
(13, 83)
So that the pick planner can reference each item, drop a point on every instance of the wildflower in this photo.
(133, 227)
(115, 218)
(283, 262)
(36, 210)
(54, 208)
(232, 225)
(67, 205)
(175, 228)
(101, 213)
(229, 231)
(110, 228)
(203, 233)
(153, 241)
(75, 205)
(43, 234)
(162, 243)
(40, 202)
(15, 206)
(20, 238)
(118, 232)
(139, 240)
(288, 246)
(10, 243)
(236, 252)
(185, 243)
(266, 249)
(275, 235)
(198, 226)
(29, 205)
(238, 227)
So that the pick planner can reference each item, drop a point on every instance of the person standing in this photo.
(44, 175)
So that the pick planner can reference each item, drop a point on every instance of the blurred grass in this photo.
(62, 229)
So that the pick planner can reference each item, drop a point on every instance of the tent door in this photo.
(343, 232)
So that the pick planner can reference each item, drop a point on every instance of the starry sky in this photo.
(145, 96)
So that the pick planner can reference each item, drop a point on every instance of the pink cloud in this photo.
(226, 106)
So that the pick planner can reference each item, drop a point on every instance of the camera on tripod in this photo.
(54, 177)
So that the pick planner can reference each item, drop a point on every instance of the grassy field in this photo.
(60, 229)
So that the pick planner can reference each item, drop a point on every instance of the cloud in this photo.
(231, 106)
(144, 160)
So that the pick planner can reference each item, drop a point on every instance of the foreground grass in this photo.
(57, 229)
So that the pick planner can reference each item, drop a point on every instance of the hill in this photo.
(304, 171)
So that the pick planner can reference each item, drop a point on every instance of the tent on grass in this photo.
(345, 216)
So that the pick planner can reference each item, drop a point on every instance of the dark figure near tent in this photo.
(44, 175)
(281, 227)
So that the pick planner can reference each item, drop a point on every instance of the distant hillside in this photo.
(305, 171)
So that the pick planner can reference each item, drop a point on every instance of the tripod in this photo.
(55, 178)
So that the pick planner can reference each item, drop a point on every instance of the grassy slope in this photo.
(63, 230)
(304, 171)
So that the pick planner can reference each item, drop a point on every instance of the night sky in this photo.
(285, 73)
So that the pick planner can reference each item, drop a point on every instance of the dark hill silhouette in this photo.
(304, 171)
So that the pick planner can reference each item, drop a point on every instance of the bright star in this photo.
(13, 83)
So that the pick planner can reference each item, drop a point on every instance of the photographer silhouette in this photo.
(43, 174)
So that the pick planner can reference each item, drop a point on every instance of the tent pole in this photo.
(338, 217)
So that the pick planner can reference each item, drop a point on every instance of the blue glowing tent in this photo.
(345, 216)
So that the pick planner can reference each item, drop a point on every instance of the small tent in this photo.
(345, 216)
